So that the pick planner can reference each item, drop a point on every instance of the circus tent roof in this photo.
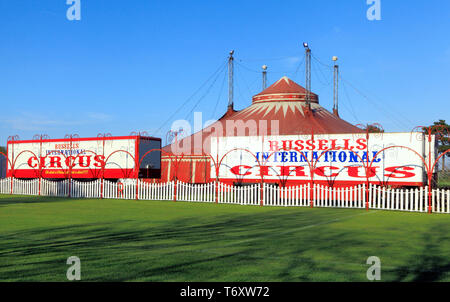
(282, 107)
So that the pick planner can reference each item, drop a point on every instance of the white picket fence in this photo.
(413, 200)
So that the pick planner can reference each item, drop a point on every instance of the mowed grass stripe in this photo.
(128, 240)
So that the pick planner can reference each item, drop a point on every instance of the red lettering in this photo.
(287, 170)
(322, 144)
(55, 162)
(287, 145)
(333, 145)
(237, 170)
(310, 144)
(263, 171)
(99, 161)
(321, 171)
(355, 171)
(400, 170)
(274, 146)
(88, 161)
(42, 161)
(30, 162)
(347, 144)
(70, 161)
(362, 144)
(299, 144)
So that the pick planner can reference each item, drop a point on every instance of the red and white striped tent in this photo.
(284, 103)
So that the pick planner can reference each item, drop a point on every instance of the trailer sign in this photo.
(85, 157)
(388, 158)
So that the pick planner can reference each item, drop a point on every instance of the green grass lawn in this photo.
(444, 179)
(444, 183)
(127, 240)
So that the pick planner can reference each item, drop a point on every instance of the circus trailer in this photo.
(396, 159)
(2, 166)
(85, 158)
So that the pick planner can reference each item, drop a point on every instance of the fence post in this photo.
(367, 196)
(216, 191)
(429, 200)
(448, 201)
(11, 180)
(101, 189)
(261, 194)
(175, 190)
(137, 189)
(70, 188)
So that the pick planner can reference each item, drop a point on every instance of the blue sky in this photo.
(129, 65)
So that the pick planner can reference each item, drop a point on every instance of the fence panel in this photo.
(412, 200)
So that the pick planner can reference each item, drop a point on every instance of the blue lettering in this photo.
(275, 156)
(315, 156)
(378, 158)
(354, 157)
(342, 156)
(365, 157)
(284, 157)
(303, 156)
(293, 157)
(333, 155)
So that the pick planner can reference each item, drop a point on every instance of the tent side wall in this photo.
(190, 169)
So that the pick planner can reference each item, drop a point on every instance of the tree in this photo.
(374, 129)
(442, 131)
(2, 149)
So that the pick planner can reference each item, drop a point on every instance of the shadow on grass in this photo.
(20, 199)
(276, 245)
(430, 265)
(212, 248)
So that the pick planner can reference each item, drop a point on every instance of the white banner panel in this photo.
(86, 155)
(332, 158)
